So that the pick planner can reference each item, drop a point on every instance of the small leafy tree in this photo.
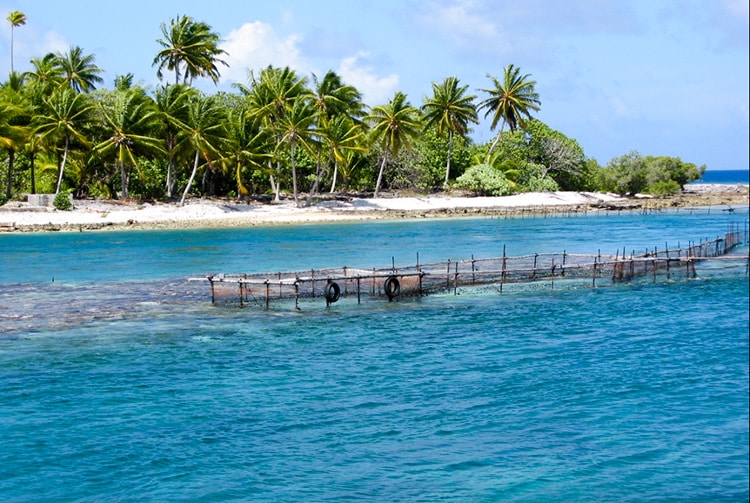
(484, 180)
(62, 202)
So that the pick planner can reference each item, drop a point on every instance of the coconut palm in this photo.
(79, 70)
(269, 96)
(451, 110)
(510, 101)
(332, 97)
(46, 75)
(61, 120)
(297, 128)
(129, 119)
(172, 113)
(15, 18)
(190, 50)
(204, 134)
(343, 137)
(247, 146)
(12, 132)
(393, 126)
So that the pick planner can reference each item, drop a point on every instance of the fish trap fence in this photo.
(332, 284)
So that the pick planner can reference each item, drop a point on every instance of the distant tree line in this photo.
(282, 133)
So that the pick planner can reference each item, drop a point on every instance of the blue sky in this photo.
(663, 77)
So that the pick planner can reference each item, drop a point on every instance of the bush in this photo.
(537, 184)
(62, 202)
(664, 188)
(484, 180)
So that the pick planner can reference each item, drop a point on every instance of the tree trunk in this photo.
(294, 173)
(62, 166)
(380, 173)
(123, 180)
(9, 185)
(448, 162)
(192, 177)
(32, 158)
(335, 174)
(314, 190)
(494, 143)
(276, 194)
(242, 191)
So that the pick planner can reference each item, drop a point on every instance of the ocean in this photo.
(121, 382)
(725, 177)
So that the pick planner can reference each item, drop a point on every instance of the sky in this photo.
(660, 77)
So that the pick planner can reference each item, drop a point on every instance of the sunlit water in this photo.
(120, 382)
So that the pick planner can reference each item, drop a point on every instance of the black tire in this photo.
(332, 292)
(392, 287)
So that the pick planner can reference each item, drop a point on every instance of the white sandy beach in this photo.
(99, 214)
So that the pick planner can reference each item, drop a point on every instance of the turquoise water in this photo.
(120, 382)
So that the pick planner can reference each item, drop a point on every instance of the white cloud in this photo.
(462, 21)
(30, 43)
(738, 8)
(375, 90)
(254, 46)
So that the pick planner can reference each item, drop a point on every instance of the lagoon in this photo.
(122, 382)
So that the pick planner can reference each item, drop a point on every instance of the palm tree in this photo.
(343, 137)
(190, 50)
(332, 97)
(271, 94)
(394, 125)
(12, 135)
(46, 75)
(129, 120)
(15, 18)
(450, 110)
(172, 112)
(247, 145)
(79, 70)
(62, 118)
(510, 101)
(204, 133)
(297, 128)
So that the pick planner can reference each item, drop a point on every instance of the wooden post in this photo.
(593, 277)
(359, 301)
(455, 281)
(502, 275)
(296, 294)
(553, 273)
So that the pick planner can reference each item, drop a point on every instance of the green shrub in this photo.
(484, 180)
(537, 184)
(62, 202)
(664, 188)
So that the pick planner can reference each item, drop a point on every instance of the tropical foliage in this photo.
(282, 134)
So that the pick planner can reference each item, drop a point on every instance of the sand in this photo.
(101, 214)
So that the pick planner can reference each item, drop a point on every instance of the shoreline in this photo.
(102, 215)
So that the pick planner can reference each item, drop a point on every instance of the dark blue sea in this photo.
(724, 177)
(119, 381)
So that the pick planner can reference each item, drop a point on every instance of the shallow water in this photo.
(121, 382)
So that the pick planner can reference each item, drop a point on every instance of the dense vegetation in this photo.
(282, 133)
